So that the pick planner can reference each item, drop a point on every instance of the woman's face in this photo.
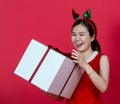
(81, 38)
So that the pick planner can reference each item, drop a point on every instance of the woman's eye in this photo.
(81, 34)
(73, 34)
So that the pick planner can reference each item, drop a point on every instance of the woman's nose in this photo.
(77, 37)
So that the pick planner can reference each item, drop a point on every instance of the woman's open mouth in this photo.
(78, 45)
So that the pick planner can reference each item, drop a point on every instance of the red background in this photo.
(49, 21)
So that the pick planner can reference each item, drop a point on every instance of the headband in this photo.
(86, 18)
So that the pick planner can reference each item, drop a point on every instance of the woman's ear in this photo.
(93, 37)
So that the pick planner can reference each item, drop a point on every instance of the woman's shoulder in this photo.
(97, 57)
(104, 58)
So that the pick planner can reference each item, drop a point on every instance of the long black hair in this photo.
(91, 27)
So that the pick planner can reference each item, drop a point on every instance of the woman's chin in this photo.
(78, 49)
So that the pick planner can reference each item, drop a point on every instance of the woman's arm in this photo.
(100, 80)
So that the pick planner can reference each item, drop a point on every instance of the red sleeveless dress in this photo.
(86, 92)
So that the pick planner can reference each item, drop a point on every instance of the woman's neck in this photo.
(86, 54)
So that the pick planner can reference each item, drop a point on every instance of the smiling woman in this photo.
(49, 21)
(81, 37)
(88, 56)
(96, 77)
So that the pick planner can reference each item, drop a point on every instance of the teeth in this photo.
(78, 44)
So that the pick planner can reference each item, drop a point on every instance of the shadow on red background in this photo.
(49, 22)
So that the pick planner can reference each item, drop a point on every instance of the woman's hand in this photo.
(53, 96)
(78, 58)
(56, 97)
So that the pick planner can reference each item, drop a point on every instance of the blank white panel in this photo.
(48, 70)
(30, 59)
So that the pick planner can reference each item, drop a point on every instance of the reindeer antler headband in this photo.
(86, 17)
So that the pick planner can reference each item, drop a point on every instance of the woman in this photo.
(89, 57)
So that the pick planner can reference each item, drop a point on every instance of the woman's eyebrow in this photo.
(78, 32)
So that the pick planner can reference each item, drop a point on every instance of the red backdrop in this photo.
(49, 21)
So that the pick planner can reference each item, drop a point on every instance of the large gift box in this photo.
(49, 70)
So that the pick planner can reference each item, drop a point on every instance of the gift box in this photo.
(49, 70)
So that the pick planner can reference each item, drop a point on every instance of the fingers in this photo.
(74, 52)
(75, 55)
(78, 58)
(75, 61)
